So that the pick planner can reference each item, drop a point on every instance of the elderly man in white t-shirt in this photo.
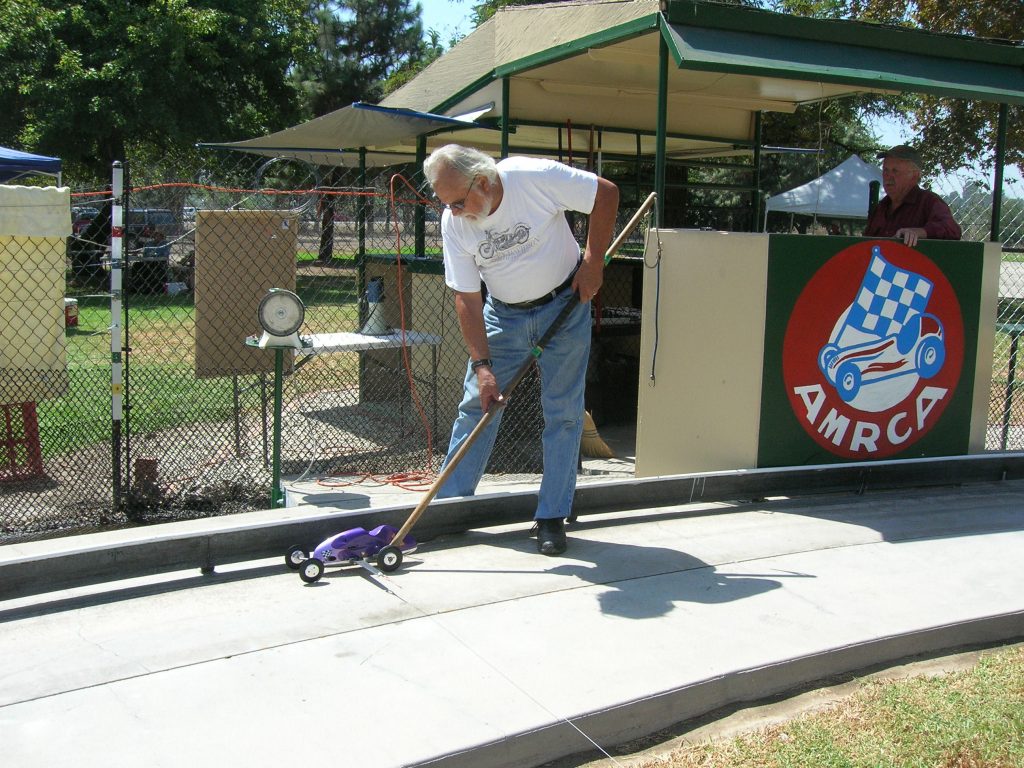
(504, 224)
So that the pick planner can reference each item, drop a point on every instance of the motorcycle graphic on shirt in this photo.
(497, 242)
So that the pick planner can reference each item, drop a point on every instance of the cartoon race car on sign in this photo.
(884, 334)
(918, 348)
(351, 547)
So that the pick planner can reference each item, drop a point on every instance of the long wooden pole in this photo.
(513, 383)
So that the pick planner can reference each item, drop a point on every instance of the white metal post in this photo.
(116, 370)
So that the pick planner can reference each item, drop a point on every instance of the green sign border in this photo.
(792, 261)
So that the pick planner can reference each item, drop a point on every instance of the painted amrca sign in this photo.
(870, 370)
(870, 355)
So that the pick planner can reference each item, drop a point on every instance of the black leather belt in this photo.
(548, 297)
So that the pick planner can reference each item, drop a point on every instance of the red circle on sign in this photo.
(869, 366)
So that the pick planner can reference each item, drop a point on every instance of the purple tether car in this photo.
(348, 548)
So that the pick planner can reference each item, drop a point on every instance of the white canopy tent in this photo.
(841, 193)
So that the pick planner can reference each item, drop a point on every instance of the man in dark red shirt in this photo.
(907, 211)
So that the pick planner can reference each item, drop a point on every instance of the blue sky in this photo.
(448, 17)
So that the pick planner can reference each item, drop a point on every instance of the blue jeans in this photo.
(511, 335)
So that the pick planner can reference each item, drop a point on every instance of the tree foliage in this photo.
(433, 49)
(953, 133)
(360, 44)
(833, 130)
(86, 80)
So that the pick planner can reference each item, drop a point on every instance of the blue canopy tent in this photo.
(14, 164)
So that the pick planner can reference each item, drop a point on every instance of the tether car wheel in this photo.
(312, 570)
(848, 381)
(826, 356)
(930, 357)
(295, 557)
(389, 559)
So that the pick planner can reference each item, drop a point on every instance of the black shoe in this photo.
(551, 536)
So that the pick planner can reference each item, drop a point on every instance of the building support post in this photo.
(997, 184)
(660, 154)
(759, 222)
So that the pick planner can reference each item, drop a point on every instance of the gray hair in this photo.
(467, 161)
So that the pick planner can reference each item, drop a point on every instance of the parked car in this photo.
(150, 223)
(147, 249)
(81, 216)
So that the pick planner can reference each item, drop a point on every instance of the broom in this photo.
(389, 558)
(591, 444)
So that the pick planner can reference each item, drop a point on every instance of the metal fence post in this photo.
(997, 186)
(116, 371)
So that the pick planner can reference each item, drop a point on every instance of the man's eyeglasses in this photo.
(460, 205)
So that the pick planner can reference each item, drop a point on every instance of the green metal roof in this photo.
(740, 18)
(737, 40)
(586, 74)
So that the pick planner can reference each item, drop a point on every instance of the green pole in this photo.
(420, 219)
(362, 207)
(506, 105)
(997, 187)
(276, 495)
(639, 158)
(660, 154)
(758, 139)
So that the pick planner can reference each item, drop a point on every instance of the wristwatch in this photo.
(483, 361)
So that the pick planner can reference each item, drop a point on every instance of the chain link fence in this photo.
(372, 400)
(972, 208)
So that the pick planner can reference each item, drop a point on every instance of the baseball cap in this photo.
(903, 152)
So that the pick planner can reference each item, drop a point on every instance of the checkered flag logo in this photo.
(888, 296)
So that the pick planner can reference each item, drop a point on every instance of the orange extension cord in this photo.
(410, 481)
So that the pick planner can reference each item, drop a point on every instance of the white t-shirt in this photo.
(525, 248)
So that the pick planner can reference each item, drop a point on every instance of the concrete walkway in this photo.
(480, 652)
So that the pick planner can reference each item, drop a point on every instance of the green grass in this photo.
(969, 719)
(162, 397)
(305, 257)
(163, 388)
(351, 259)
(1001, 361)
(323, 293)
